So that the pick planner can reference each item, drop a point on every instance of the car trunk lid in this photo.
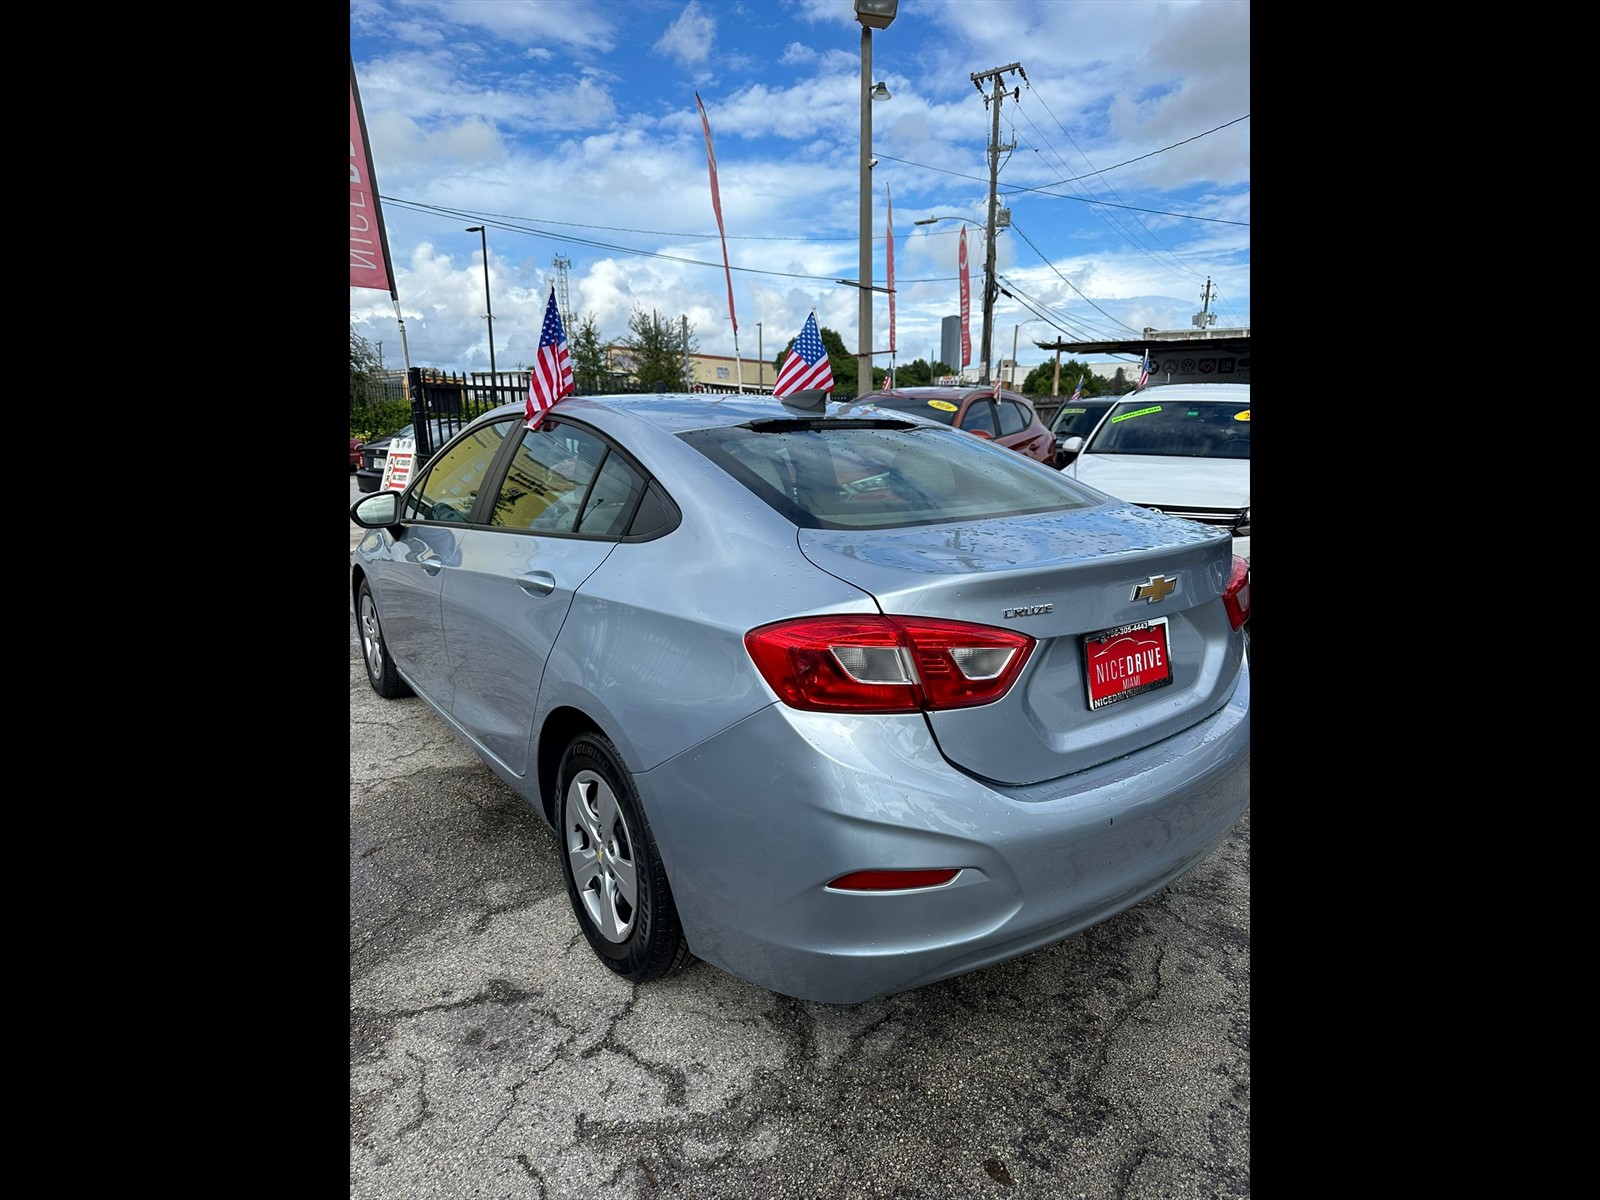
(1059, 578)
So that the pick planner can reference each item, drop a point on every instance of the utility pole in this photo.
(990, 285)
(1205, 317)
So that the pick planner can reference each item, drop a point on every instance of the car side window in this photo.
(448, 487)
(979, 417)
(549, 478)
(1012, 418)
(612, 499)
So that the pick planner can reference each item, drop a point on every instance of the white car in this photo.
(1183, 448)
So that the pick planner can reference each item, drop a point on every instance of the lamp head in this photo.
(474, 228)
(876, 14)
(880, 91)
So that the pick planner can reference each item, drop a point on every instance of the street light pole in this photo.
(873, 14)
(761, 361)
(483, 236)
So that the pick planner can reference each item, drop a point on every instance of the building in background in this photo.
(950, 342)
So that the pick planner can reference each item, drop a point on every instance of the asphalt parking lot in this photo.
(492, 1055)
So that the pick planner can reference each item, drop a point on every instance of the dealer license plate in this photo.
(1126, 661)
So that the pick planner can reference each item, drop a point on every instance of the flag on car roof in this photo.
(997, 387)
(1144, 370)
(1077, 392)
(807, 367)
(551, 375)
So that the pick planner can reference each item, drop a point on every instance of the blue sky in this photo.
(568, 128)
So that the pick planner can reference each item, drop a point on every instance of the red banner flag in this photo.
(716, 205)
(966, 305)
(369, 243)
(890, 195)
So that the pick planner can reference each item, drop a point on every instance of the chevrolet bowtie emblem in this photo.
(1156, 589)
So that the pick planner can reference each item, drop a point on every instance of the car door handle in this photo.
(430, 562)
(537, 583)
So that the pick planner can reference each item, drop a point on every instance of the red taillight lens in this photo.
(868, 664)
(891, 881)
(1236, 596)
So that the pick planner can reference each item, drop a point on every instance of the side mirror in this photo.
(379, 510)
(1072, 444)
(983, 433)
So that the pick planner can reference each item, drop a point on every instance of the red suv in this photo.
(1007, 418)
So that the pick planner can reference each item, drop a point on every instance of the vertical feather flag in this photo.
(716, 205)
(369, 242)
(890, 195)
(966, 305)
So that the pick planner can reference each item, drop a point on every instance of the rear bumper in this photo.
(753, 824)
(368, 481)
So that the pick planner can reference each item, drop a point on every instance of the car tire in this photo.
(382, 674)
(615, 880)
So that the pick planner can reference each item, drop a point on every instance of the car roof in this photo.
(678, 412)
(1228, 393)
(934, 392)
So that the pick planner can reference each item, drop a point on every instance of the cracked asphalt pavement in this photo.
(492, 1055)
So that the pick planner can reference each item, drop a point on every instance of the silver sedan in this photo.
(833, 697)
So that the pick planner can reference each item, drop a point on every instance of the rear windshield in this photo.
(1077, 420)
(882, 474)
(1181, 429)
(934, 408)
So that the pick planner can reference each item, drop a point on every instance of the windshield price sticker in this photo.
(1126, 661)
(1139, 412)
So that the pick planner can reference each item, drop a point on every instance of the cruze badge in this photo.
(1032, 610)
(1155, 589)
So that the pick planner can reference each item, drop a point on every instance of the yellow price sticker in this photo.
(942, 405)
(1242, 416)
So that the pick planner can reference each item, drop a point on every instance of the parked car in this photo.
(1076, 418)
(375, 454)
(1182, 449)
(356, 445)
(839, 700)
(1009, 419)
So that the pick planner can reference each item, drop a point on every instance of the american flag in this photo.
(1077, 392)
(807, 368)
(551, 375)
(1144, 371)
(997, 387)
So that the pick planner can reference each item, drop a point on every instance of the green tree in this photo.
(363, 373)
(659, 350)
(1042, 378)
(920, 373)
(588, 357)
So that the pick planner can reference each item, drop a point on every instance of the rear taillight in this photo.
(1236, 596)
(865, 664)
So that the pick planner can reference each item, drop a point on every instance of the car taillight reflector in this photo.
(891, 881)
(864, 663)
(1236, 596)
